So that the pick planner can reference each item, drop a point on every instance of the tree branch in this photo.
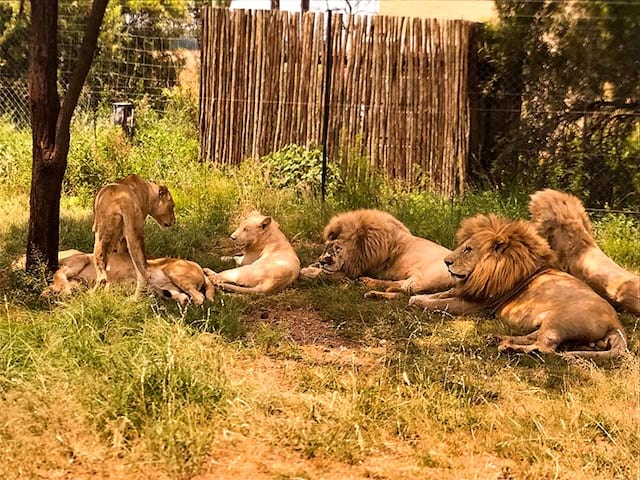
(85, 58)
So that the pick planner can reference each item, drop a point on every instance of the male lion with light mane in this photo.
(372, 242)
(119, 212)
(562, 220)
(267, 263)
(175, 278)
(505, 268)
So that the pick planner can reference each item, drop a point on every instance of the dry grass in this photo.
(315, 382)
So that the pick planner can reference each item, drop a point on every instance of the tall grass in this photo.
(97, 384)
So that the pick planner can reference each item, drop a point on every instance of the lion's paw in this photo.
(493, 339)
(310, 272)
(368, 281)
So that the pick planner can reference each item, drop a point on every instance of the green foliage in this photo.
(619, 236)
(298, 168)
(15, 157)
(562, 99)
(135, 56)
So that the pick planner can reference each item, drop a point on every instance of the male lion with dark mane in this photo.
(267, 261)
(119, 212)
(374, 243)
(505, 268)
(562, 220)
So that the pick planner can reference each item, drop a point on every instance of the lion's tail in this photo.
(618, 346)
(552, 209)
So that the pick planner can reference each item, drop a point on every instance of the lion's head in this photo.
(494, 255)
(359, 241)
(332, 258)
(562, 221)
(162, 206)
(253, 230)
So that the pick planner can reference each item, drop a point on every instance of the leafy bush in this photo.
(296, 167)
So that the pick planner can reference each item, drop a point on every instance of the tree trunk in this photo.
(304, 5)
(50, 124)
(275, 4)
(47, 168)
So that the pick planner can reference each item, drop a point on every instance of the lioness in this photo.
(562, 220)
(505, 267)
(372, 242)
(119, 211)
(267, 262)
(176, 278)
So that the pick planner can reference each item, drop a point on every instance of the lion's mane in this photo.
(369, 238)
(562, 220)
(509, 252)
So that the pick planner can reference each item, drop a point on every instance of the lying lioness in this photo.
(267, 262)
(119, 211)
(176, 278)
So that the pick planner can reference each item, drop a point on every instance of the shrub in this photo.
(296, 167)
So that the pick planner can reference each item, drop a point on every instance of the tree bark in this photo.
(50, 125)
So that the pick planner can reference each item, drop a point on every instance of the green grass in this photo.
(98, 384)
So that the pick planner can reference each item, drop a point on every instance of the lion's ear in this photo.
(500, 244)
(163, 191)
(265, 222)
(332, 234)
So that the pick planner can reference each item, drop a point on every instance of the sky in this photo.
(359, 6)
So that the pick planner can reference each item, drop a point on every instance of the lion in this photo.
(119, 213)
(267, 262)
(370, 243)
(505, 268)
(175, 278)
(562, 220)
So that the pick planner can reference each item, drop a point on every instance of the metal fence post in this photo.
(325, 115)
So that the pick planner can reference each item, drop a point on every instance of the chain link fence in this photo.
(556, 91)
(558, 99)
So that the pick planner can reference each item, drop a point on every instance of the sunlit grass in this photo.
(99, 386)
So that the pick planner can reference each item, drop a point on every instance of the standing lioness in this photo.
(119, 212)
(268, 262)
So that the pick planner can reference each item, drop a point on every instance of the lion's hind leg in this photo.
(188, 287)
(106, 239)
(134, 234)
(64, 281)
(173, 292)
(535, 341)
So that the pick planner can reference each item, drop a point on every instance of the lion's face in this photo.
(332, 258)
(163, 207)
(495, 254)
(463, 260)
(250, 230)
